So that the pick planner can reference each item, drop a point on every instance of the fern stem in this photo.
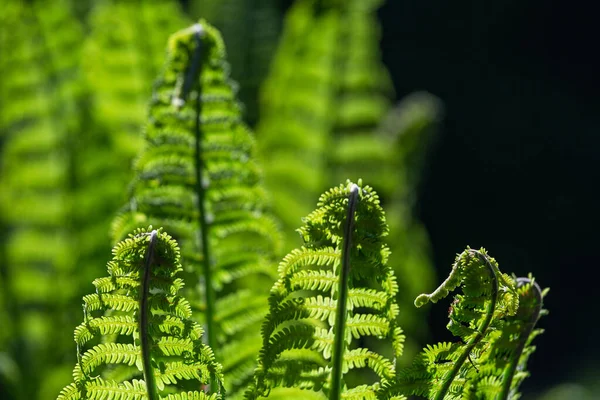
(144, 321)
(208, 286)
(340, 317)
(523, 337)
(448, 379)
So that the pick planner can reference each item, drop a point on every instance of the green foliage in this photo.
(39, 118)
(137, 325)
(123, 55)
(326, 115)
(70, 107)
(494, 319)
(197, 179)
(298, 333)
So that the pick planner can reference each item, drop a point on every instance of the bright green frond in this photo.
(299, 345)
(197, 178)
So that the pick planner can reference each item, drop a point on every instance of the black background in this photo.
(517, 164)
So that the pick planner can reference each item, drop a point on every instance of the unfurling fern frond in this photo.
(326, 115)
(137, 340)
(331, 294)
(197, 179)
(494, 319)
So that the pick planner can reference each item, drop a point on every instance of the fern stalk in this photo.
(144, 321)
(340, 318)
(203, 232)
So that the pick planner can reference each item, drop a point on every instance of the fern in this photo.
(326, 114)
(197, 179)
(494, 319)
(136, 324)
(121, 56)
(39, 120)
(251, 44)
(310, 341)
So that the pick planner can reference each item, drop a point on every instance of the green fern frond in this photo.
(148, 340)
(197, 179)
(494, 318)
(326, 114)
(307, 329)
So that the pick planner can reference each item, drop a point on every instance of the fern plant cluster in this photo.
(198, 227)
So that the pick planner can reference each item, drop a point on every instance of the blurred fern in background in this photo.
(40, 122)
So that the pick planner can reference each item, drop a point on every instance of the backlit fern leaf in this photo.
(148, 340)
(298, 333)
(326, 115)
(494, 318)
(197, 179)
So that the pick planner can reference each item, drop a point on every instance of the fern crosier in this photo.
(137, 325)
(197, 179)
(494, 318)
(299, 332)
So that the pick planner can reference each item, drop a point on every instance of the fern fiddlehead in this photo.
(299, 344)
(509, 355)
(197, 179)
(494, 318)
(136, 324)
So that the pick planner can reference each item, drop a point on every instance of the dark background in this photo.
(516, 167)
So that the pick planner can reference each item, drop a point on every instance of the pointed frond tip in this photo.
(342, 266)
(136, 339)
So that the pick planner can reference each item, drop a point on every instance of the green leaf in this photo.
(197, 179)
